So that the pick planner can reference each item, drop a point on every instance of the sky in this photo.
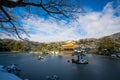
(101, 18)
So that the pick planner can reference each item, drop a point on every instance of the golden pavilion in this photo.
(69, 45)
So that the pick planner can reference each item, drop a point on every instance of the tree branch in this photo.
(7, 15)
(54, 8)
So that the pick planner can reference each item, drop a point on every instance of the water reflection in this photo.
(99, 67)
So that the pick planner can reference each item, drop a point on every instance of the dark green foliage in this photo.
(23, 46)
(106, 45)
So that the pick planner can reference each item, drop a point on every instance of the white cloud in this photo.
(98, 24)
(45, 31)
(90, 25)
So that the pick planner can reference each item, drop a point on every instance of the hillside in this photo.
(93, 42)
(116, 37)
(14, 45)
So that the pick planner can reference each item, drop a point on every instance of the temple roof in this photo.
(69, 45)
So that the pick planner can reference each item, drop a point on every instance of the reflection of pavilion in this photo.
(69, 45)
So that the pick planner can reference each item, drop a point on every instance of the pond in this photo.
(99, 67)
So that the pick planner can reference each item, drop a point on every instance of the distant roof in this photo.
(70, 42)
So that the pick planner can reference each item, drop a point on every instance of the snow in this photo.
(4, 75)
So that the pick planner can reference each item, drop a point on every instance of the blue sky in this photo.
(96, 5)
(101, 18)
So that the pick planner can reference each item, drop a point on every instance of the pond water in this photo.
(99, 67)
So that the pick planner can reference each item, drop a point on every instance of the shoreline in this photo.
(58, 53)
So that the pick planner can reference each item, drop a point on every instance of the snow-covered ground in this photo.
(4, 75)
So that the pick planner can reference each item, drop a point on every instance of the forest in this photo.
(26, 46)
(105, 45)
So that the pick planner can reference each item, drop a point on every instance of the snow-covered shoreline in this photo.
(4, 75)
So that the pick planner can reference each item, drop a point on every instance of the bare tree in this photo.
(59, 9)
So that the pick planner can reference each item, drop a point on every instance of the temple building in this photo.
(69, 45)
